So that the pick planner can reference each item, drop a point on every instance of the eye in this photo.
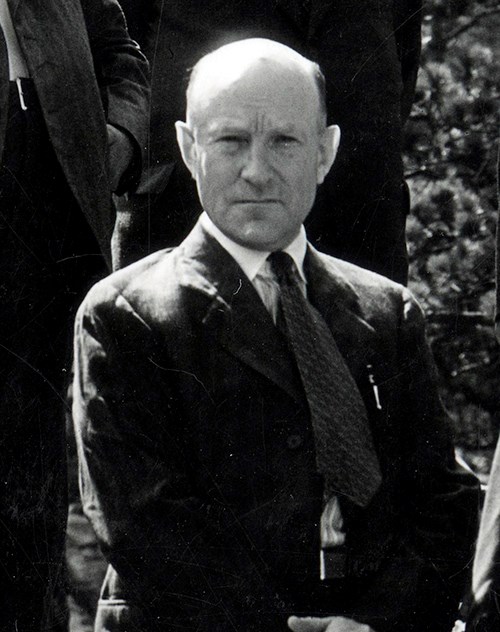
(231, 141)
(231, 138)
(285, 141)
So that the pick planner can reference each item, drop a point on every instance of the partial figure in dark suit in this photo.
(243, 400)
(73, 120)
(369, 53)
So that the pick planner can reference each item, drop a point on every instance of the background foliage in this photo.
(451, 165)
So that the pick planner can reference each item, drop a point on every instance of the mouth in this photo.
(258, 201)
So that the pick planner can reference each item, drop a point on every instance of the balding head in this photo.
(229, 64)
(256, 140)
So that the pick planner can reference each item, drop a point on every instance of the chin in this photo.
(266, 244)
(264, 232)
(262, 238)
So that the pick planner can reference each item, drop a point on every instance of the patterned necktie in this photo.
(345, 455)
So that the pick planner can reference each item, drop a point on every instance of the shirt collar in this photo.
(251, 261)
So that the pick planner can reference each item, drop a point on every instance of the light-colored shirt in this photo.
(17, 62)
(258, 270)
(256, 267)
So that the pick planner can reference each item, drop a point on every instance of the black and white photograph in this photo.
(249, 287)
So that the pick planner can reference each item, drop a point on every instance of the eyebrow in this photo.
(225, 127)
(218, 127)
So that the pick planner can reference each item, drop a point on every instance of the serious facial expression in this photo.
(257, 155)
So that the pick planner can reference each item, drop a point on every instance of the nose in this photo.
(256, 169)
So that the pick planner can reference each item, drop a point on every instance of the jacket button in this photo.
(294, 441)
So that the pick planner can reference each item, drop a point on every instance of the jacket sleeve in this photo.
(141, 16)
(441, 499)
(154, 527)
(123, 76)
(421, 578)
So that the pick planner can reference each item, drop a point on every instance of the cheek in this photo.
(216, 170)
(203, 166)
(303, 180)
(214, 187)
(209, 175)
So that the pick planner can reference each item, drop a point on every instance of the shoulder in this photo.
(357, 276)
(139, 287)
(375, 298)
(365, 284)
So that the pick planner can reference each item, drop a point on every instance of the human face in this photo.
(257, 152)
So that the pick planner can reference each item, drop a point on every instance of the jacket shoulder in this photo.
(138, 285)
(365, 284)
(379, 300)
(360, 277)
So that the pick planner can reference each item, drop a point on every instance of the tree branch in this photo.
(467, 319)
(472, 22)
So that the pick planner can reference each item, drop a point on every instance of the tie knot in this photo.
(282, 266)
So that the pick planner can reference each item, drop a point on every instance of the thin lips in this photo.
(259, 201)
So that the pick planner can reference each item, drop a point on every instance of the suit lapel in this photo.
(238, 319)
(235, 313)
(240, 322)
(55, 43)
(337, 301)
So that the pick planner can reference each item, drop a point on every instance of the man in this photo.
(369, 53)
(225, 429)
(73, 105)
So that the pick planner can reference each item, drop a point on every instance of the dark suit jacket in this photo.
(197, 457)
(369, 53)
(87, 71)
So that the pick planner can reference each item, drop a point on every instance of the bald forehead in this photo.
(255, 64)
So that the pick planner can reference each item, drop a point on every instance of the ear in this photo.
(329, 144)
(186, 142)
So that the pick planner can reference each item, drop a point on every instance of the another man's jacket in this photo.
(197, 455)
(87, 71)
